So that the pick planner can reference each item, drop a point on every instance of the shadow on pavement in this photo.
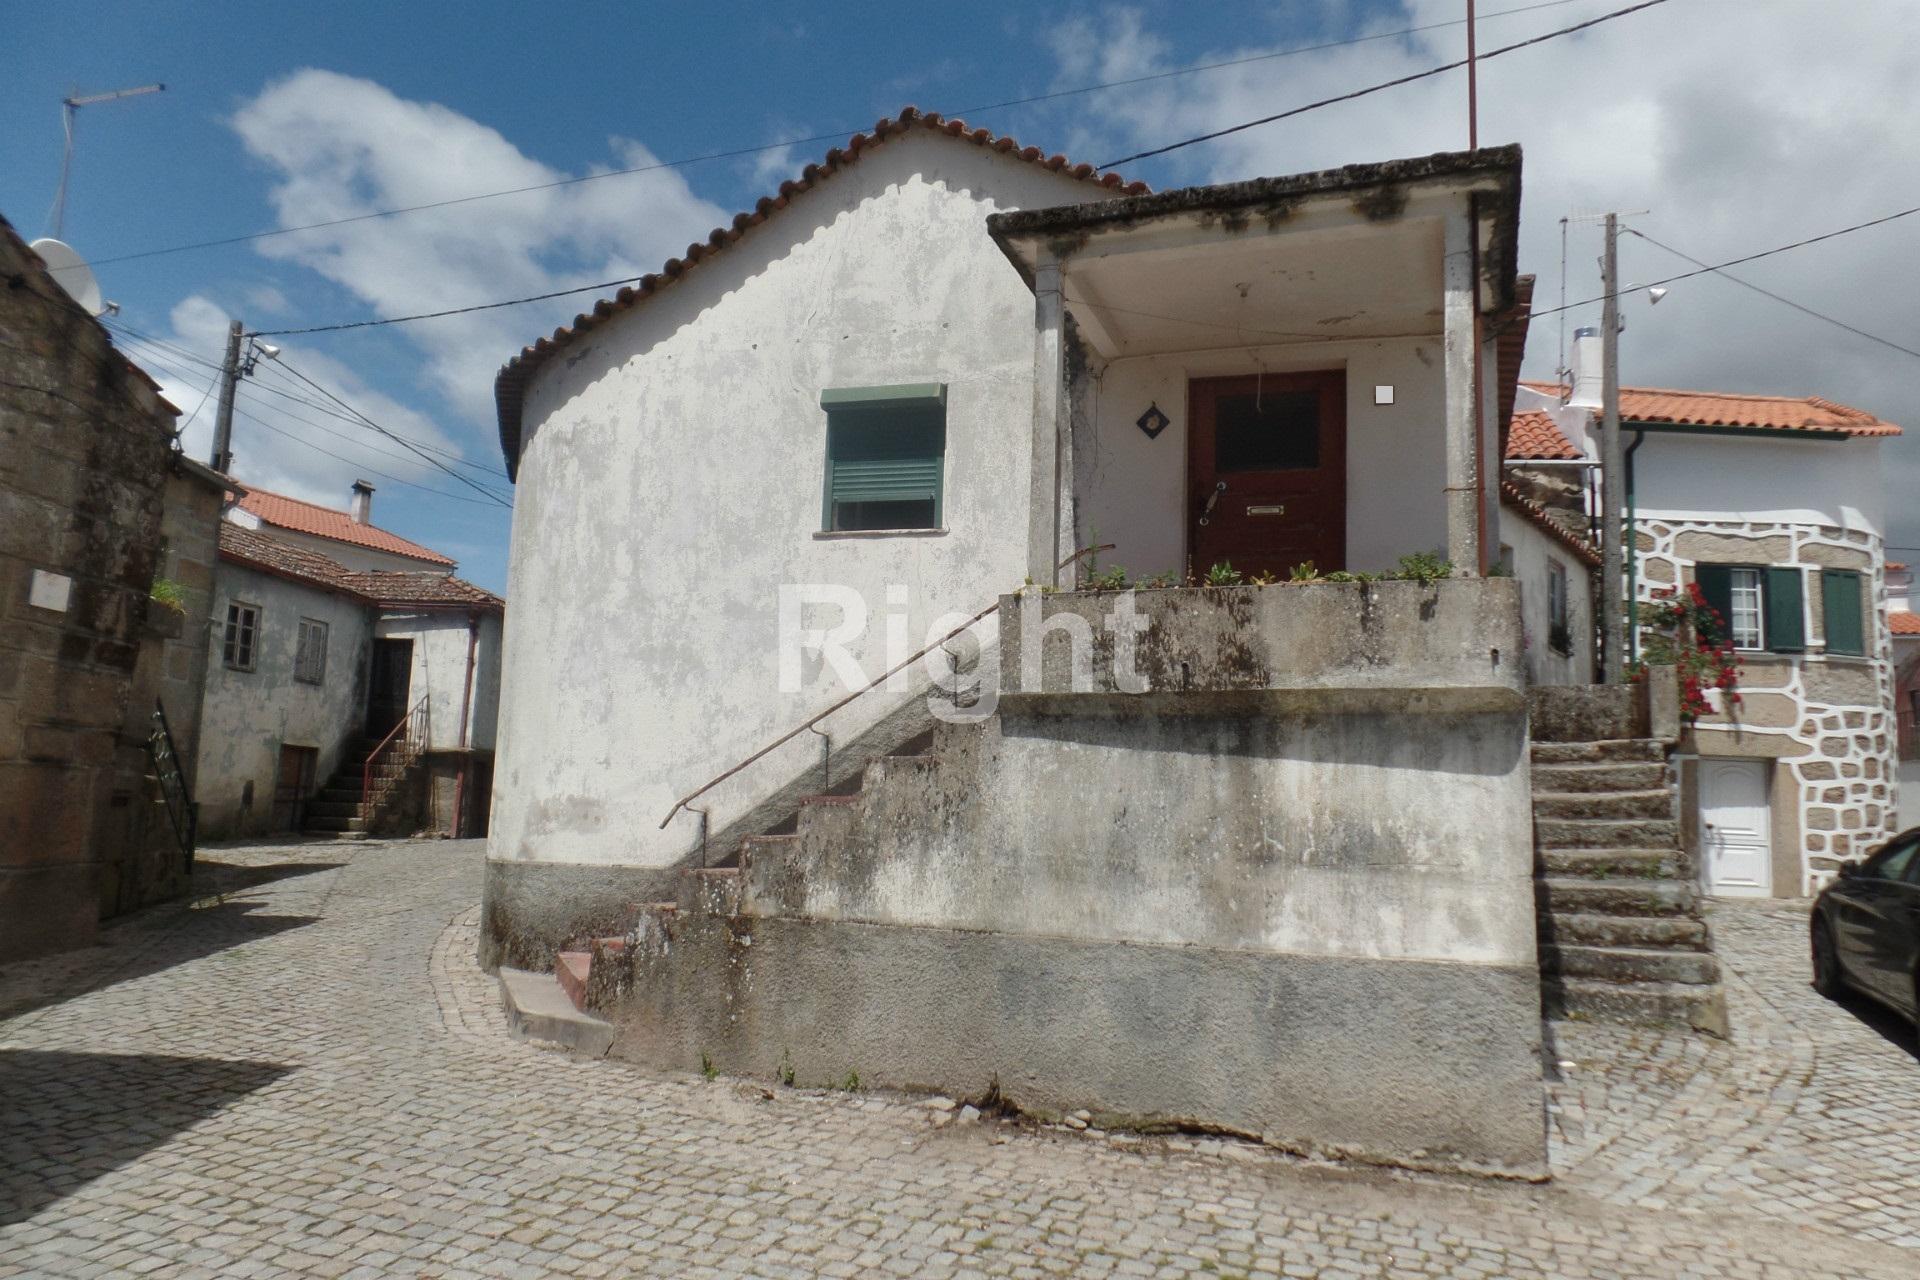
(1893, 1028)
(69, 1118)
(212, 876)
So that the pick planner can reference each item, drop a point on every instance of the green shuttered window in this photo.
(1786, 611)
(1763, 607)
(1840, 608)
(886, 457)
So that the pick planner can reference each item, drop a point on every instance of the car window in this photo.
(1894, 862)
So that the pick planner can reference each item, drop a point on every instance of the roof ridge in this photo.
(511, 380)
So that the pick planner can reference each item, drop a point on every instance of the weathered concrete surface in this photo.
(537, 1008)
(531, 909)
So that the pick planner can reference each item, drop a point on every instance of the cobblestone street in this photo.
(303, 1072)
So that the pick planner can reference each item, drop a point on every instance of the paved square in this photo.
(303, 1072)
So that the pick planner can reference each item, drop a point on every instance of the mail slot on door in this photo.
(1271, 509)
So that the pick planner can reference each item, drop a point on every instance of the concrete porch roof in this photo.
(1349, 253)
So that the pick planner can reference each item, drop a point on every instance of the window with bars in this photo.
(310, 657)
(242, 637)
(886, 457)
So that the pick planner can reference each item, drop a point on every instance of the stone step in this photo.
(1612, 864)
(572, 969)
(1628, 964)
(1607, 749)
(333, 793)
(1644, 932)
(712, 891)
(1606, 775)
(1682, 1006)
(1552, 805)
(1625, 897)
(335, 824)
(333, 808)
(1606, 833)
(774, 845)
(537, 1008)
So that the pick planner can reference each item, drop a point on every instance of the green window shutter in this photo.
(1786, 611)
(1716, 584)
(885, 445)
(1840, 609)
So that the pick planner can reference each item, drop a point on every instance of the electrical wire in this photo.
(1385, 84)
(1734, 262)
(739, 152)
(341, 435)
(1784, 301)
(357, 465)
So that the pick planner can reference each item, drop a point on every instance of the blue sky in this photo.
(1736, 125)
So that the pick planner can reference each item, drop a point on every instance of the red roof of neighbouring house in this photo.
(398, 589)
(1813, 415)
(510, 383)
(1536, 515)
(328, 522)
(1536, 437)
(1903, 623)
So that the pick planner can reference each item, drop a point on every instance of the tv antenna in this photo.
(68, 106)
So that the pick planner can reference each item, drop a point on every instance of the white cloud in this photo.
(339, 147)
(1738, 126)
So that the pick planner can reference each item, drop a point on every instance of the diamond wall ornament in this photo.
(1153, 422)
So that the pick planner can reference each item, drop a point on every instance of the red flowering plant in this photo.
(1679, 628)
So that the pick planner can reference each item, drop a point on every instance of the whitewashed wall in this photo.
(671, 480)
(440, 639)
(1533, 553)
(249, 715)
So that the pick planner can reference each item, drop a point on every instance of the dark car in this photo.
(1866, 928)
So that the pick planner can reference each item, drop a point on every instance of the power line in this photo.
(1376, 88)
(451, 311)
(353, 440)
(399, 440)
(1734, 262)
(1784, 301)
(354, 463)
(739, 152)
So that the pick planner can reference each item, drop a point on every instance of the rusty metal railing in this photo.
(391, 757)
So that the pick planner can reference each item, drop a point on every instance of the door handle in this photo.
(1212, 498)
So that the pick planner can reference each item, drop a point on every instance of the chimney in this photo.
(1586, 374)
(362, 507)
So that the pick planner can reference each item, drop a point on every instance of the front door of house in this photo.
(389, 685)
(1735, 828)
(1267, 472)
(293, 785)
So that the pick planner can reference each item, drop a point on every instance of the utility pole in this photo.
(68, 106)
(229, 381)
(1473, 87)
(1612, 466)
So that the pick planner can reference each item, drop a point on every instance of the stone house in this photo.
(1773, 505)
(1903, 627)
(95, 502)
(327, 680)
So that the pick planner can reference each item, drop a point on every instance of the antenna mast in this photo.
(68, 105)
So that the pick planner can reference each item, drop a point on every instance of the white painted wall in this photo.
(1788, 481)
(248, 716)
(1533, 553)
(671, 479)
(439, 673)
(1133, 490)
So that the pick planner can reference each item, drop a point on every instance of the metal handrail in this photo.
(409, 735)
(902, 665)
(182, 813)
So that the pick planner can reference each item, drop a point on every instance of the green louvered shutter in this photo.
(885, 454)
(1716, 584)
(1786, 612)
(1840, 608)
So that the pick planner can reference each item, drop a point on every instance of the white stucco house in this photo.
(1774, 505)
(326, 671)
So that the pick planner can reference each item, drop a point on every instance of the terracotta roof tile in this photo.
(327, 522)
(1811, 414)
(1510, 347)
(1536, 515)
(260, 550)
(1535, 437)
(512, 379)
(1902, 623)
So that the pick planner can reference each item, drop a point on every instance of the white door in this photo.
(1735, 836)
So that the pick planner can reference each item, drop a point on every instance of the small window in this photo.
(1840, 599)
(886, 456)
(1761, 606)
(243, 636)
(1559, 627)
(310, 659)
(1749, 601)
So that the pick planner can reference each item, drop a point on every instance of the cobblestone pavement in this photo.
(303, 1072)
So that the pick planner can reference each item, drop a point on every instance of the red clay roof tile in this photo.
(260, 550)
(1902, 623)
(1812, 414)
(1535, 437)
(1536, 515)
(510, 384)
(327, 522)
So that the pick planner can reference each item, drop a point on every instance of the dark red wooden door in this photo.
(1267, 472)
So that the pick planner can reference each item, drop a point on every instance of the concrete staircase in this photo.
(1621, 935)
(338, 807)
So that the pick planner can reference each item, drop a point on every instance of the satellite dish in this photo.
(71, 272)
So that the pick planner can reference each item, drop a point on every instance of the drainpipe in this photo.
(1632, 548)
(466, 704)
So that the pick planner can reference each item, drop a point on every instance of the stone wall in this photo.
(1827, 722)
(85, 450)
